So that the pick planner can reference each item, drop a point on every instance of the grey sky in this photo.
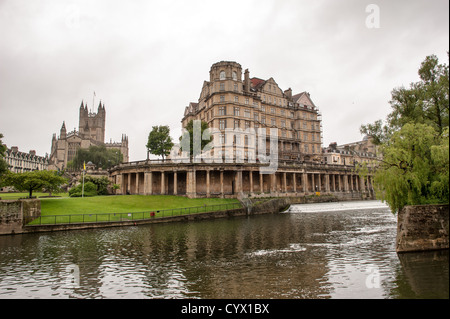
(146, 60)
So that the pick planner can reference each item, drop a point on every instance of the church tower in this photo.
(92, 125)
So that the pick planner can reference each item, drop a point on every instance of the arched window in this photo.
(222, 75)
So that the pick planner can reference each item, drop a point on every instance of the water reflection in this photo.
(306, 253)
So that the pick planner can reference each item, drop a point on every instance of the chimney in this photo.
(33, 152)
(14, 149)
(288, 93)
(246, 81)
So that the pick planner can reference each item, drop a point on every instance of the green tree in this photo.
(159, 141)
(100, 156)
(414, 141)
(413, 170)
(425, 102)
(202, 136)
(3, 164)
(101, 183)
(35, 181)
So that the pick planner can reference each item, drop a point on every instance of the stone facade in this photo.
(91, 131)
(229, 102)
(423, 227)
(234, 105)
(361, 152)
(20, 162)
(231, 180)
(15, 214)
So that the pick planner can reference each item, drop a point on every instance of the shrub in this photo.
(90, 189)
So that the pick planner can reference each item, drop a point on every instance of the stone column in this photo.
(221, 184)
(208, 192)
(294, 179)
(251, 181)
(137, 184)
(362, 183)
(129, 183)
(123, 187)
(261, 183)
(284, 183)
(238, 181)
(146, 177)
(191, 190)
(175, 183)
(327, 183)
(305, 182)
(163, 183)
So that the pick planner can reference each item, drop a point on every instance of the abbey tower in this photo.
(91, 131)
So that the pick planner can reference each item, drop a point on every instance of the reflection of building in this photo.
(20, 162)
(228, 103)
(91, 132)
(352, 153)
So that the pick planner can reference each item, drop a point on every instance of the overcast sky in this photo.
(146, 60)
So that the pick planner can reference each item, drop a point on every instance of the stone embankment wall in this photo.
(14, 214)
(422, 227)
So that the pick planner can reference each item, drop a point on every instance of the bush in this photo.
(90, 189)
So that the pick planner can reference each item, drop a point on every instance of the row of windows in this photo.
(314, 137)
(223, 77)
(249, 153)
(247, 112)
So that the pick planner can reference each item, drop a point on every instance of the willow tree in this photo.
(414, 169)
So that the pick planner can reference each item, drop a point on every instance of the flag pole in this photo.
(84, 170)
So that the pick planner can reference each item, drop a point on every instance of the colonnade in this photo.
(221, 180)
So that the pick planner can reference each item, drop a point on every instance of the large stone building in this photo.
(229, 103)
(363, 152)
(20, 162)
(233, 107)
(91, 131)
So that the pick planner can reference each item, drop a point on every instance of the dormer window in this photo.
(222, 75)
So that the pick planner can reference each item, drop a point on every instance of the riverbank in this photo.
(26, 222)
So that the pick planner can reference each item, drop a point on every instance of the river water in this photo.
(332, 250)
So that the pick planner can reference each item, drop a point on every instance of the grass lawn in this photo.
(130, 207)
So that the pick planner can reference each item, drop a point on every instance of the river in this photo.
(330, 250)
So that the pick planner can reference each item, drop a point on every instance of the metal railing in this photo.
(129, 216)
